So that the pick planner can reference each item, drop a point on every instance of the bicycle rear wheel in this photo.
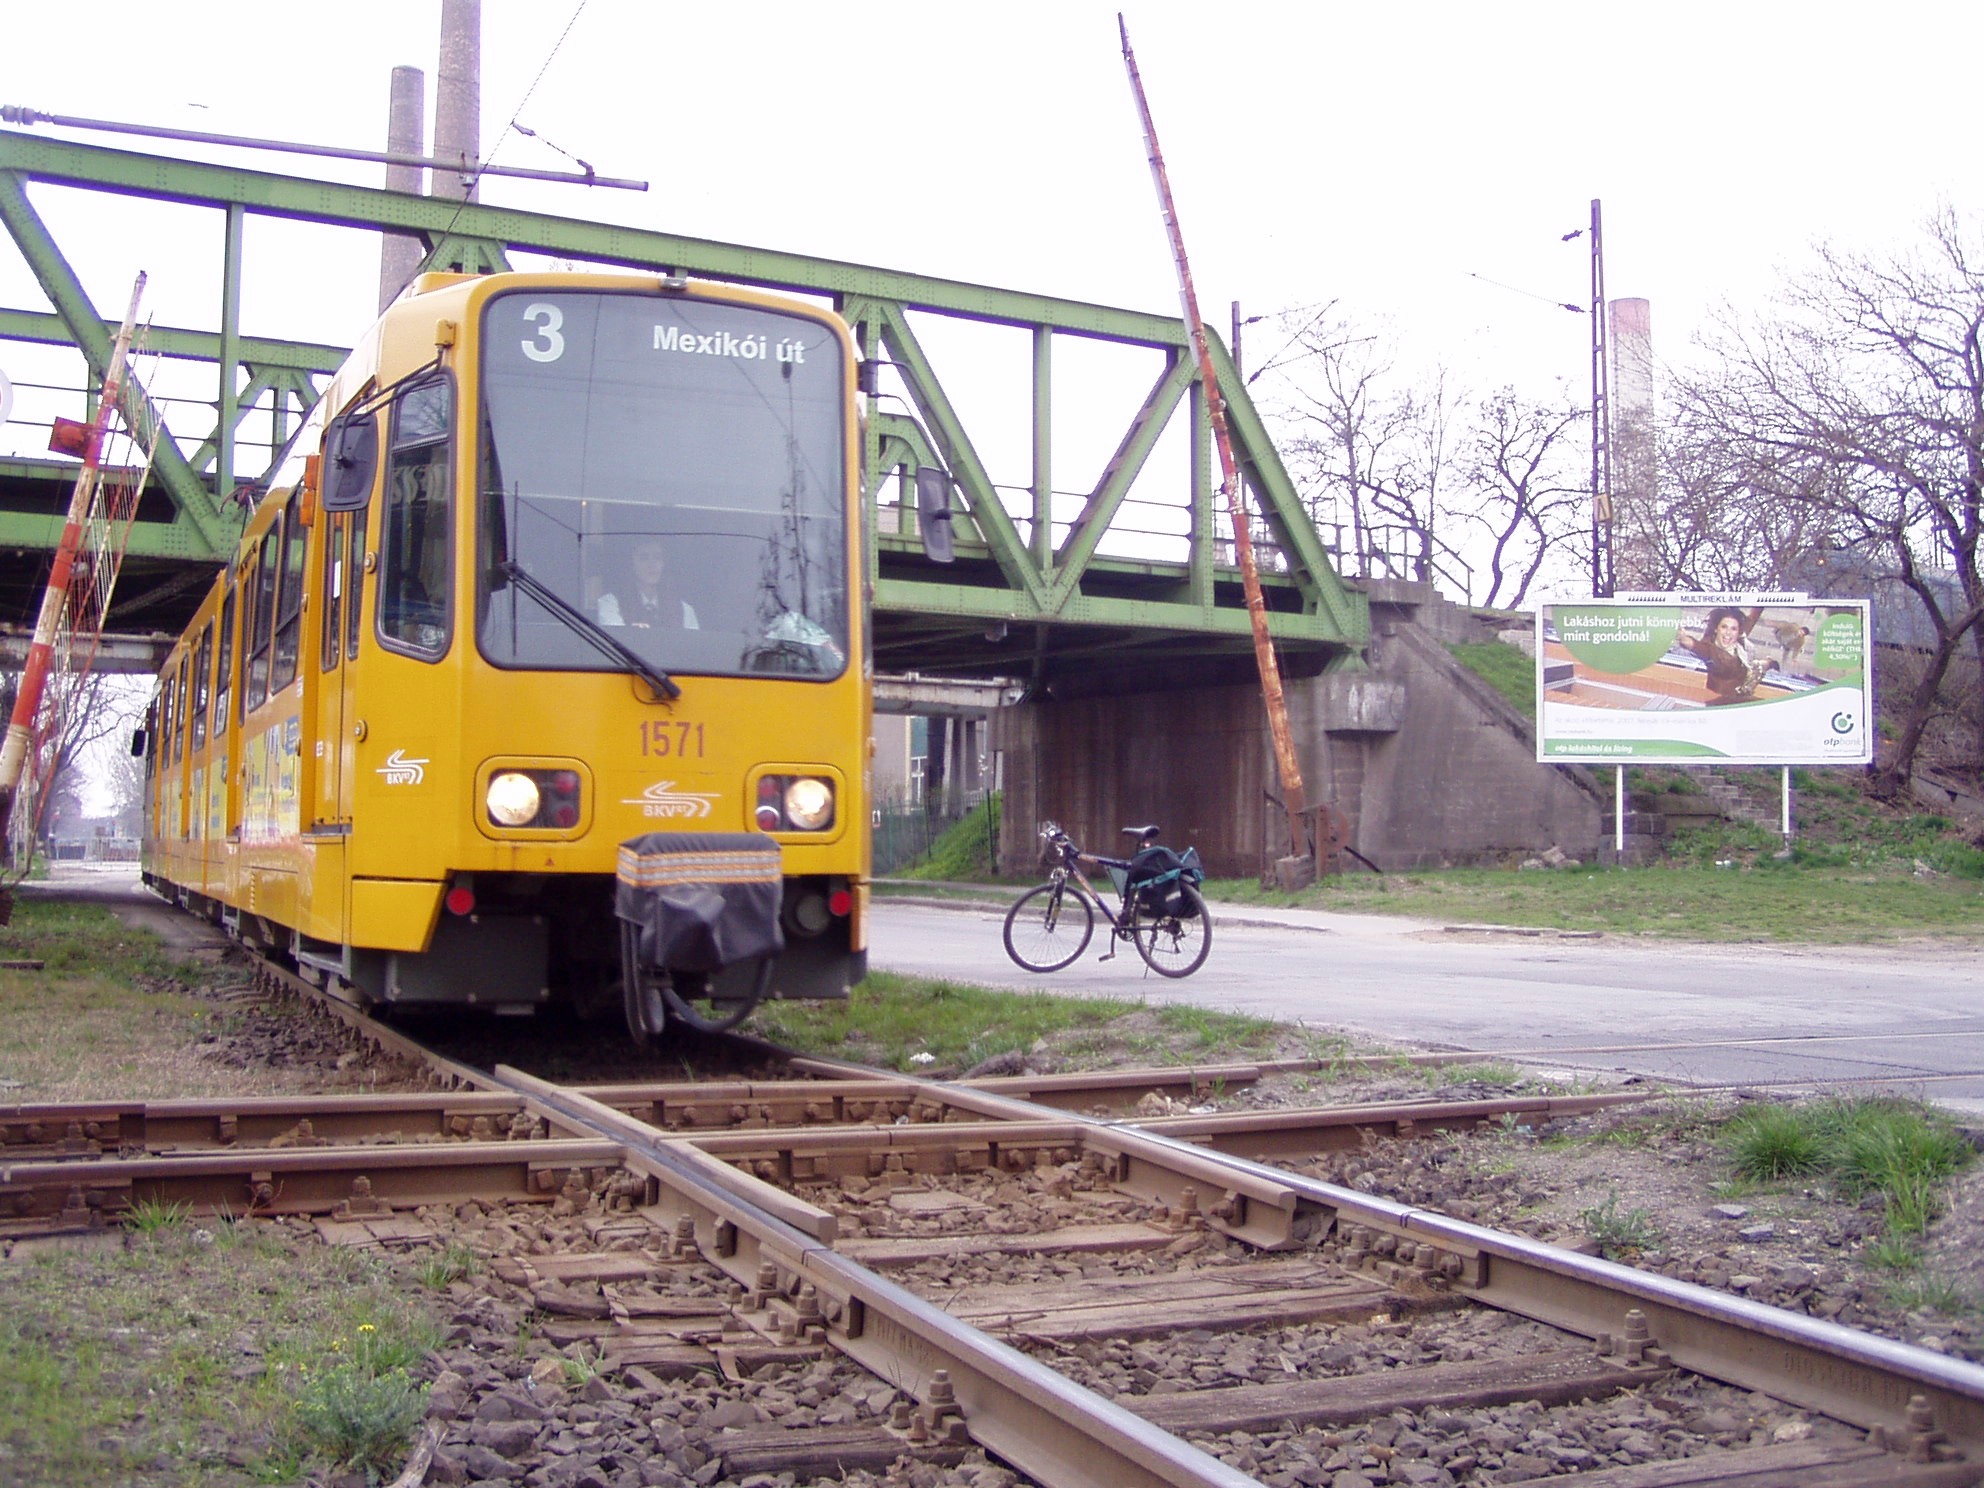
(1174, 945)
(1048, 927)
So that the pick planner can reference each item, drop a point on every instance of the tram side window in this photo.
(203, 667)
(176, 723)
(331, 639)
(224, 682)
(289, 605)
(263, 621)
(415, 549)
(354, 570)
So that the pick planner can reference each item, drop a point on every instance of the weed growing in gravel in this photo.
(1769, 1143)
(178, 1354)
(1934, 1291)
(359, 1407)
(578, 1367)
(1620, 1235)
(149, 1216)
(443, 1267)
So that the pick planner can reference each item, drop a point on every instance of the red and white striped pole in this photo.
(1287, 764)
(34, 676)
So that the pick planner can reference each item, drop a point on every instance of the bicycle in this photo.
(1163, 914)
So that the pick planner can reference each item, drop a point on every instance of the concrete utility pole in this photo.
(406, 134)
(458, 98)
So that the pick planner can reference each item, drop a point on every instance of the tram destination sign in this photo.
(1743, 679)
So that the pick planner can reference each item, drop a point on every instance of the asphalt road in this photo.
(1904, 1019)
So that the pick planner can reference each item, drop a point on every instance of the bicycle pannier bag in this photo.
(1155, 876)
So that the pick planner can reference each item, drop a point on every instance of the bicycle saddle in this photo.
(1142, 834)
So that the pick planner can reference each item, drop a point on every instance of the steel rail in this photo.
(310, 1180)
(1867, 1381)
(1907, 1394)
(1045, 1425)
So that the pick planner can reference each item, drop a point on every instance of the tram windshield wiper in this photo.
(590, 631)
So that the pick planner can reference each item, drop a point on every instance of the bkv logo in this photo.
(663, 799)
(399, 770)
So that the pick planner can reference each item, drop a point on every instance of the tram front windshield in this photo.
(672, 470)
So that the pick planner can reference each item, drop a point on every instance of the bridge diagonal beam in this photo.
(1280, 504)
(954, 445)
(1086, 531)
(288, 387)
(65, 291)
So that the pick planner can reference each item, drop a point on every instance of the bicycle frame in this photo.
(1045, 932)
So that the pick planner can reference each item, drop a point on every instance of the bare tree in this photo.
(77, 713)
(1375, 453)
(1711, 527)
(1523, 496)
(1860, 404)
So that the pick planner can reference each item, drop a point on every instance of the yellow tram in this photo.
(554, 609)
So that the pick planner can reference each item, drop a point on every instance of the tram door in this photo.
(341, 582)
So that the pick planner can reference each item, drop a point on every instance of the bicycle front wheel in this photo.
(1048, 927)
(1175, 945)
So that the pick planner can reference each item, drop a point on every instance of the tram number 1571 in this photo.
(663, 738)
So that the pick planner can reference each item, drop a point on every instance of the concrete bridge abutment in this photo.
(1423, 764)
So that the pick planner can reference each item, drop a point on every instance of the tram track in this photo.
(1004, 1262)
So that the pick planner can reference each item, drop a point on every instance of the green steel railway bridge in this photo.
(1124, 585)
(1106, 605)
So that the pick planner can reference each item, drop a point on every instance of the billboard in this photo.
(1743, 679)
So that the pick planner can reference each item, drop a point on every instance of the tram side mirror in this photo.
(351, 456)
(137, 743)
(933, 513)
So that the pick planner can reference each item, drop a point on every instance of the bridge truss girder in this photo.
(1031, 595)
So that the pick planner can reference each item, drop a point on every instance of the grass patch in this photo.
(914, 1023)
(1900, 1150)
(1779, 902)
(126, 1018)
(965, 851)
(1507, 669)
(1919, 1290)
(202, 1352)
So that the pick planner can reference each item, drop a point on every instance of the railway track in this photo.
(1032, 1270)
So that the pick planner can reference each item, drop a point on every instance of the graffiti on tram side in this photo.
(271, 811)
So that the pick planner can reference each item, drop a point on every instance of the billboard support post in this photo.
(1619, 814)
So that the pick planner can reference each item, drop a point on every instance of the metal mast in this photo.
(1601, 422)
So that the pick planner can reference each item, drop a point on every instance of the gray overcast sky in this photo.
(1395, 157)
(1380, 154)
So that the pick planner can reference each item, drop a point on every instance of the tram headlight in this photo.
(809, 804)
(512, 799)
